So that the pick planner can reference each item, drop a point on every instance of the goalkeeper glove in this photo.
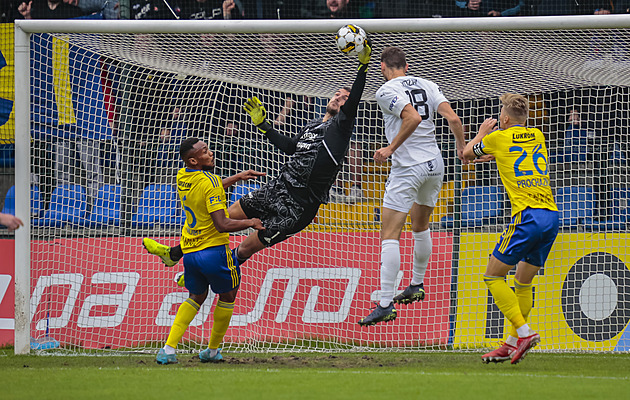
(364, 55)
(258, 114)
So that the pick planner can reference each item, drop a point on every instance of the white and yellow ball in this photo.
(351, 39)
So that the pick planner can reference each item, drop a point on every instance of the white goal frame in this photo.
(24, 28)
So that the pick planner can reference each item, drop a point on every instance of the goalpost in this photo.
(100, 109)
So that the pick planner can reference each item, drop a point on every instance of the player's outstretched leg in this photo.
(379, 314)
(163, 358)
(160, 250)
(207, 356)
(524, 345)
(412, 293)
(501, 354)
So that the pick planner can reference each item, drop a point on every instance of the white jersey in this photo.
(425, 96)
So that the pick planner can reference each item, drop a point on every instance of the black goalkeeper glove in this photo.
(258, 114)
(364, 55)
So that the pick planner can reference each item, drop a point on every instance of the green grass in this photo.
(438, 375)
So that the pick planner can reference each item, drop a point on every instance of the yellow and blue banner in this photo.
(581, 296)
(7, 118)
(66, 92)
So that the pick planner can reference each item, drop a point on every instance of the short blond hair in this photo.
(515, 106)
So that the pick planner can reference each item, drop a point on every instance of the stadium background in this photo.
(607, 253)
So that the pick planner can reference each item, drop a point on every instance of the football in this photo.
(351, 39)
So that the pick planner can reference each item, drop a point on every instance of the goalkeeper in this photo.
(288, 203)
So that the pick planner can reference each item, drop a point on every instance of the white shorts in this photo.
(420, 183)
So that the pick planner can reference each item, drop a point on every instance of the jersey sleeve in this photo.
(390, 101)
(487, 145)
(283, 142)
(215, 196)
(437, 96)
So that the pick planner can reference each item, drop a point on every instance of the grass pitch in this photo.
(316, 376)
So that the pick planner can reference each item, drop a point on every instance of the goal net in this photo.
(110, 101)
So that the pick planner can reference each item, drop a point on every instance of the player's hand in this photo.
(10, 221)
(487, 126)
(460, 152)
(484, 158)
(257, 224)
(381, 155)
(249, 174)
(257, 113)
(365, 54)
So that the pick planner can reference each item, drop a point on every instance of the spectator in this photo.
(152, 9)
(147, 102)
(341, 9)
(504, 8)
(211, 9)
(329, 9)
(353, 173)
(48, 9)
(234, 150)
(77, 132)
(170, 138)
(108, 8)
(470, 8)
(576, 139)
(596, 7)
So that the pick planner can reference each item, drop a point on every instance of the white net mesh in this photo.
(109, 112)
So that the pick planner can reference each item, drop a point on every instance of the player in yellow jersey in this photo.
(208, 260)
(521, 157)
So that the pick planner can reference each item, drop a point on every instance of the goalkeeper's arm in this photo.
(258, 114)
(351, 105)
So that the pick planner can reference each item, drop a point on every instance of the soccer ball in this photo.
(351, 39)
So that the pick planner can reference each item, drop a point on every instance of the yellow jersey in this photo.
(521, 157)
(201, 193)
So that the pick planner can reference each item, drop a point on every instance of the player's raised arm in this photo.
(455, 125)
(473, 148)
(351, 105)
(258, 114)
(241, 176)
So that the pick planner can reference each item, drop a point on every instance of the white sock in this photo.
(213, 352)
(524, 331)
(168, 349)
(422, 248)
(390, 265)
(512, 341)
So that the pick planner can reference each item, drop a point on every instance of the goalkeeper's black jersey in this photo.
(319, 150)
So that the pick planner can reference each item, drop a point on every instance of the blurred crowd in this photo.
(301, 9)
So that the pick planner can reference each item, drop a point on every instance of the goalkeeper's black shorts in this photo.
(281, 215)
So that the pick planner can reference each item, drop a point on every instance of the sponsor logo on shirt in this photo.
(392, 103)
(523, 137)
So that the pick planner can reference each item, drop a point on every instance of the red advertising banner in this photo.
(7, 291)
(109, 293)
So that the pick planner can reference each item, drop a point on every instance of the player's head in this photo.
(336, 6)
(393, 62)
(338, 100)
(515, 110)
(196, 155)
